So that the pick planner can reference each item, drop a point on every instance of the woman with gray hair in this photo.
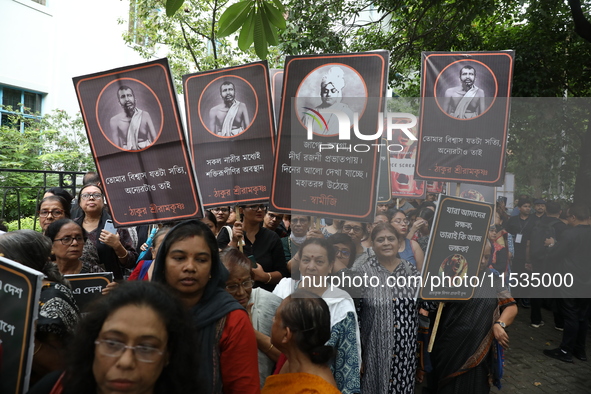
(58, 312)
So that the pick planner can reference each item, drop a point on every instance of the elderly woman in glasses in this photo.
(137, 339)
(68, 238)
(407, 249)
(260, 304)
(115, 250)
(55, 207)
(263, 245)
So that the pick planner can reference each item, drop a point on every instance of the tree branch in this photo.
(582, 25)
(189, 47)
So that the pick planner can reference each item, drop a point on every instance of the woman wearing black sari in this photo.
(470, 339)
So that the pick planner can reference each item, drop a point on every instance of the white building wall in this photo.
(43, 47)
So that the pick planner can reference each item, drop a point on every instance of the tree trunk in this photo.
(583, 182)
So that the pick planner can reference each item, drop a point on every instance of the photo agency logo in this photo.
(322, 121)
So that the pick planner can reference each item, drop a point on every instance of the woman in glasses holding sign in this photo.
(115, 247)
(262, 246)
(68, 238)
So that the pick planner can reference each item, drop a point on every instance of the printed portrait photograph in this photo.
(129, 114)
(454, 266)
(465, 89)
(332, 87)
(228, 106)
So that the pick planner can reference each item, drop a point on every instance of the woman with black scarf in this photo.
(188, 262)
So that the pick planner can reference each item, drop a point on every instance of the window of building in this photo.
(19, 102)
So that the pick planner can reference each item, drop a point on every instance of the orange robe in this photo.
(298, 383)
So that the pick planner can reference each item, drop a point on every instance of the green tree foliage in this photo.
(189, 37)
(551, 61)
(54, 142)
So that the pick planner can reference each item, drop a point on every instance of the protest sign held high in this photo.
(322, 166)
(20, 289)
(464, 116)
(455, 249)
(136, 137)
(231, 131)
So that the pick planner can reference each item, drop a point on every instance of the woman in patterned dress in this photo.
(388, 318)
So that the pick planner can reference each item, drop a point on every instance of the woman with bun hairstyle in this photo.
(301, 328)
(317, 257)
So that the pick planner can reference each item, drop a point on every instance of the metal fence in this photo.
(12, 193)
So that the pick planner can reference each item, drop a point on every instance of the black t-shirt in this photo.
(268, 252)
(516, 226)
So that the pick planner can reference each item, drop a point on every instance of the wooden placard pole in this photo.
(239, 218)
(435, 326)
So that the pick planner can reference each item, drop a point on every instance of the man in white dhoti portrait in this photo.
(466, 100)
(131, 129)
(231, 117)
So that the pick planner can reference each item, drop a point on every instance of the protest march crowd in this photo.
(222, 304)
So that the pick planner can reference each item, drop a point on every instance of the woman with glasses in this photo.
(265, 247)
(407, 249)
(260, 304)
(135, 340)
(388, 316)
(357, 231)
(115, 251)
(68, 239)
(317, 257)
(54, 207)
(188, 263)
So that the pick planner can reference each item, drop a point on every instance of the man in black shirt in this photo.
(520, 227)
(572, 251)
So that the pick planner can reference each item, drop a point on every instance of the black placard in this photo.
(88, 287)
(318, 170)
(455, 248)
(464, 116)
(147, 177)
(231, 136)
(20, 290)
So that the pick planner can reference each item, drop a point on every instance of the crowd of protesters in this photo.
(235, 302)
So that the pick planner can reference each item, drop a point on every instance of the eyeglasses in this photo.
(86, 196)
(355, 229)
(247, 284)
(343, 252)
(145, 354)
(405, 221)
(299, 221)
(56, 213)
(257, 207)
(223, 210)
(68, 240)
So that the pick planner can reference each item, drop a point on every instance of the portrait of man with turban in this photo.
(331, 95)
